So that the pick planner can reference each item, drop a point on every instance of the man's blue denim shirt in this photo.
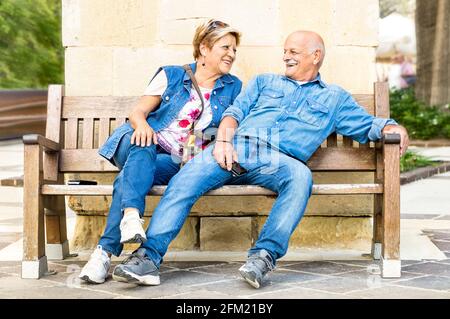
(296, 118)
(176, 95)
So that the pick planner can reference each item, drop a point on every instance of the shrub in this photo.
(421, 121)
(412, 160)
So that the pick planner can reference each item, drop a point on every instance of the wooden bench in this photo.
(76, 126)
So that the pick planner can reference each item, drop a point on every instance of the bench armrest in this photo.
(34, 144)
(48, 145)
(390, 138)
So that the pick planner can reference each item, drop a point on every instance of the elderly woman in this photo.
(148, 150)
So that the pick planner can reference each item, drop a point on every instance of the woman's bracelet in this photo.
(223, 141)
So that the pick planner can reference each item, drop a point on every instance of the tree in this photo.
(433, 46)
(31, 53)
(403, 7)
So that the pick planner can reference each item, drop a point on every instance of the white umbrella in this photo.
(397, 34)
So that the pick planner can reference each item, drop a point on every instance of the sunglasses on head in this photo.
(215, 24)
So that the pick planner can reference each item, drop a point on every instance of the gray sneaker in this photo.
(256, 267)
(138, 269)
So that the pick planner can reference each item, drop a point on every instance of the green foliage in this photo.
(412, 160)
(31, 52)
(421, 121)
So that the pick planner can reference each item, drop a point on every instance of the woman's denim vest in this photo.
(177, 94)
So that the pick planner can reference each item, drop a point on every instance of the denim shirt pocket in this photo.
(313, 113)
(270, 97)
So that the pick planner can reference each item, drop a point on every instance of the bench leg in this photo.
(57, 251)
(57, 247)
(34, 264)
(376, 250)
(377, 227)
(34, 269)
(390, 263)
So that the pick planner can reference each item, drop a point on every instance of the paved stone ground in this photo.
(220, 280)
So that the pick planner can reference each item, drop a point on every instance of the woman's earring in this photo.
(203, 64)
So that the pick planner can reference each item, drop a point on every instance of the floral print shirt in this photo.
(173, 137)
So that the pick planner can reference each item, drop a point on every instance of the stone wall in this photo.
(113, 48)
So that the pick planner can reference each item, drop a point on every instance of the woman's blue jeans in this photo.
(290, 178)
(140, 169)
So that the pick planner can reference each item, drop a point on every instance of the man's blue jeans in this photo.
(290, 178)
(140, 169)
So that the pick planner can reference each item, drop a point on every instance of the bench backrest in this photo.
(81, 124)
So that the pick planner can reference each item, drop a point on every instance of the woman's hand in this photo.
(225, 154)
(144, 135)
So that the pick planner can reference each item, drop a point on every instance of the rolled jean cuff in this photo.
(133, 204)
(116, 252)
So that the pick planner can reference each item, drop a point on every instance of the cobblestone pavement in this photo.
(220, 280)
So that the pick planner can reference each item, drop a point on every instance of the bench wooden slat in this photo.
(342, 159)
(347, 141)
(120, 121)
(332, 140)
(381, 99)
(53, 126)
(88, 133)
(98, 107)
(366, 101)
(364, 146)
(227, 190)
(71, 134)
(324, 159)
(53, 129)
(113, 106)
(84, 160)
(103, 130)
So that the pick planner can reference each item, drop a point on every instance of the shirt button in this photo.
(215, 107)
(167, 98)
(214, 92)
(276, 122)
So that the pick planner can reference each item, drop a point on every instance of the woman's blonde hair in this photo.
(211, 31)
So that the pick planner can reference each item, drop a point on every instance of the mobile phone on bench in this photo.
(81, 182)
(237, 170)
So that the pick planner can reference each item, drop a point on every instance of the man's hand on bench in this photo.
(404, 139)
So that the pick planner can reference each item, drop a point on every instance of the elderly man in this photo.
(271, 130)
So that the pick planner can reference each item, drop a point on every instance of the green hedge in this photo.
(421, 121)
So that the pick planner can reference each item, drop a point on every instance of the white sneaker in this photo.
(131, 230)
(96, 269)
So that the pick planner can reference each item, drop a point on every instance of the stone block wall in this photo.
(113, 47)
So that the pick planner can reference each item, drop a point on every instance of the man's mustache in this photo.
(290, 61)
